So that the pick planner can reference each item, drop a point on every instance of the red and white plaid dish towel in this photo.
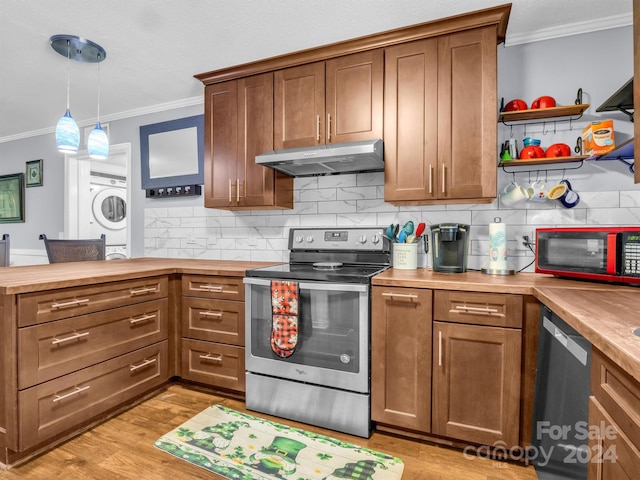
(284, 323)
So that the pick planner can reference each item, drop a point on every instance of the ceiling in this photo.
(154, 47)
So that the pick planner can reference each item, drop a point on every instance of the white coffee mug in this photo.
(537, 192)
(512, 194)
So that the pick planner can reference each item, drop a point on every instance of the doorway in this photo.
(97, 199)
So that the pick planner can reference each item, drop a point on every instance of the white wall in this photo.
(553, 67)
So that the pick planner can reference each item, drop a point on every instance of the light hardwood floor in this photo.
(122, 448)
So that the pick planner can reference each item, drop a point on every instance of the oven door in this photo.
(333, 334)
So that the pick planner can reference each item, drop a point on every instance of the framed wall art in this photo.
(34, 173)
(12, 198)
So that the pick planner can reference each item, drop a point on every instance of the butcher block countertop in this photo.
(34, 278)
(604, 314)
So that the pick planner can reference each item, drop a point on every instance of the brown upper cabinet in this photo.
(329, 102)
(428, 90)
(440, 107)
(239, 126)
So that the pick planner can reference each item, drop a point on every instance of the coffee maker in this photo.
(449, 247)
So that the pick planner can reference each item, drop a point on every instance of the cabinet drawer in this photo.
(208, 286)
(54, 349)
(63, 404)
(213, 320)
(618, 393)
(213, 364)
(40, 307)
(492, 309)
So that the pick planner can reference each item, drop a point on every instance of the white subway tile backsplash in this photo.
(358, 200)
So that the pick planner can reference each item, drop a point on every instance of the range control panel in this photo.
(339, 239)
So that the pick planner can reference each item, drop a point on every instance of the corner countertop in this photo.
(605, 314)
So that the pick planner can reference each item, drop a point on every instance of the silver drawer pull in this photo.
(77, 390)
(400, 295)
(143, 291)
(142, 365)
(464, 308)
(73, 303)
(75, 336)
(208, 356)
(211, 314)
(144, 318)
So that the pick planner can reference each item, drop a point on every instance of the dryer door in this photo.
(109, 208)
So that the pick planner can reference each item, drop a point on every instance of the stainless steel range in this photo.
(307, 328)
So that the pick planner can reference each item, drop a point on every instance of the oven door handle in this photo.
(322, 286)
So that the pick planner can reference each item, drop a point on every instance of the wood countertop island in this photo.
(605, 314)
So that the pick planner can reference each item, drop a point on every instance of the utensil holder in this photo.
(405, 256)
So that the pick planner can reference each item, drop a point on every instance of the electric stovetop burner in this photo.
(327, 265)
(338, 255)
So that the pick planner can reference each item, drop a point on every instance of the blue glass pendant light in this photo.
(81, 50)
(98, 142)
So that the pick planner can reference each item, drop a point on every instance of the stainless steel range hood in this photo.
(353, 157)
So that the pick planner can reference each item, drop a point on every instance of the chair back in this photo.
(4, 251)
(82, 250)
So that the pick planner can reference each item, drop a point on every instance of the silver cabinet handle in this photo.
(439, 348)
(237, 190)
(143, 291)
(75, 391)
(75, 336)
(208, 356)
(230, 191)
(443, 178)
(210, 288)
(328, 126)
(147, 361)
(401, 295)
(73, 303)
(211, 314)
(144, 318)
(465, 308)
(318, 128)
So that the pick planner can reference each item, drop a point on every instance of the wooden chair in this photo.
(4, 251)
(60, 251)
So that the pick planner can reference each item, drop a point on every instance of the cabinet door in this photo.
(476, 383)
(613, 455)
(401, 357)
(411, 121)
(467, 99)
(299, 106)
(221, 144)
(255, 184)
(354, 97)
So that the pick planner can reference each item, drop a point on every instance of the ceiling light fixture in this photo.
(81, 50)
(98, 142)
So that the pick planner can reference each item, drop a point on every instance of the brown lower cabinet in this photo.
(614, 421)
(447, 364)
(213, 331)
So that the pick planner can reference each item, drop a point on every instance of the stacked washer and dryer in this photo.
(109, 212)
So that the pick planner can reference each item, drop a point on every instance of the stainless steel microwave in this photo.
(610, 254)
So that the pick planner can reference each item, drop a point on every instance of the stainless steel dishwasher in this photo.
(559, 440)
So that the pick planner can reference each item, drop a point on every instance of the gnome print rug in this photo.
(239, 446)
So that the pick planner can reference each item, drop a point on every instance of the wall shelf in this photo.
(623, 153)
(544, 115)
(542, 161)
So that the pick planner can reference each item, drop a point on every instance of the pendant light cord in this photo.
(99, 87)
(68, 71)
